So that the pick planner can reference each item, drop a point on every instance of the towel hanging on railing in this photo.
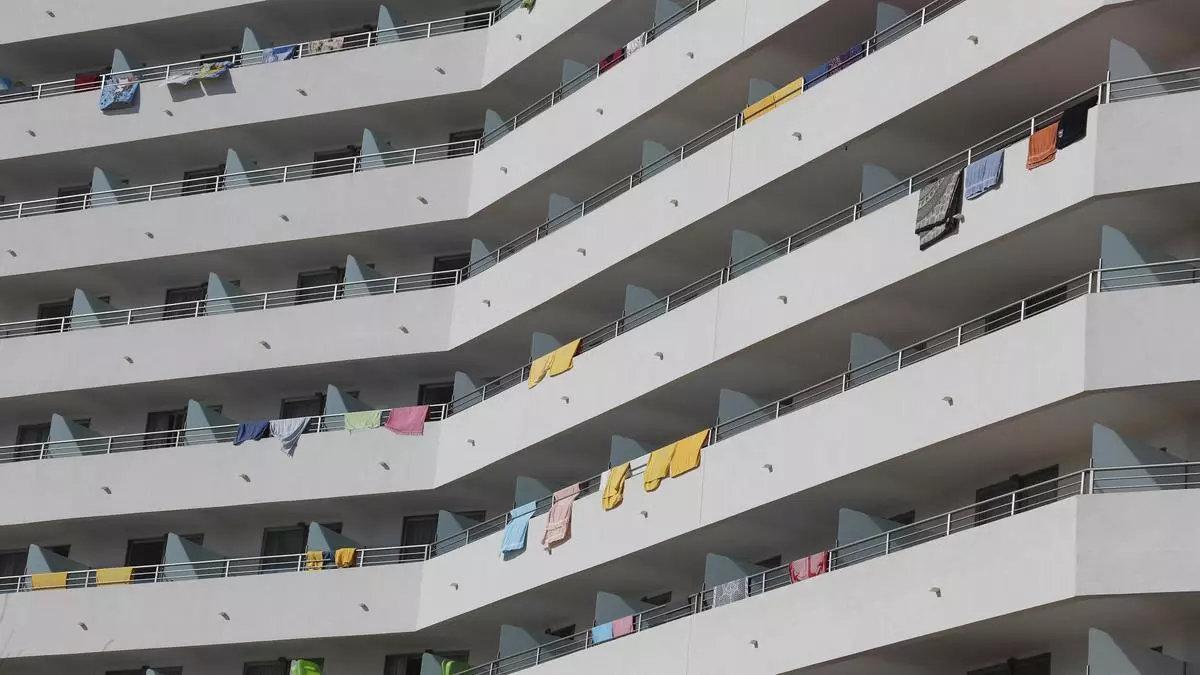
(119, 92)
(984, 174)
(811, 566)
(730, 591)
(558, 521)
(614, 487)
(1072, 126)
(288, 432)
(517, 530)
(109, 576)
(1043, 146)
(252, 431)
(408, 421)
(363, 420)
(277, 54)
(344, 557)
(938, 207)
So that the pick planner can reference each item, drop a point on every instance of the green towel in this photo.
(528, 4)
(302, 667)
(451, 667)
(358, 421)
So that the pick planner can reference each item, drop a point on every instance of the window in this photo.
(435, 393)
(309, 406)
(193, 296)
(161, 427)
(34, 434)
(1034, 665)
(333, 162)
(422, 530)
(290, 540)
(907, 518)
(402, 664)
(562, 631)
(475, 22)
(199, 181)
(12, 563)
(447, 264)
(50, 314)
(319, 285)
(1027, 495)
(140, 552)
(71, 198)
(660, 599)
(771, 563)
(461, 137)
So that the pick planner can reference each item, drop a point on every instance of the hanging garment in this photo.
(804, 568)
(408, 421)
(528, 4)
(314, 560)
(563, 358)
(118, 93)
(687, 453)
(614, 487)
(602, 633)
(635, 44)
(344, 557)
(1072, 126)
(361, 421)
(539, 368)
(658, 468)
(114, 575)
(938, 206)
(611, 60)
(759, 108)
(288, 432)
(817, 75)
(846, 58)
(558, 521)
(730, 591)
(324, 46)
(277, 54)
(181, 76)
(517, 528)
(984, 174)
(48, 580)
(5, 83)
(622, 626)
(212, 71)
(251, 431)
(788, 91)
(1043, 146)
(304, 667)
(87, 82)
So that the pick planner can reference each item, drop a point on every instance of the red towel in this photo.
(817, 563)
(408, 421)
(1043, 146)
(622, 626)
(612, 60)
(87, 82)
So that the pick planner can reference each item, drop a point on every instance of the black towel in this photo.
(1073, 125)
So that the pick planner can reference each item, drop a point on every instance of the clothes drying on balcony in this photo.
(528, 4)
(48, 580)
(984, 174)
(846, 58)
(938, 206)
(658, 467)
(119, 93)
(344, 557)
(789, 91)
(252, 431)
(213, 71)
(363, 420)
(304, 667)
(635, 44)
(611, 60)
(730, 591)
(614, 487)
(517, 529)
(622, 626)
(277, 54)
(558, 521)
(759, 108)
(687, 453)
(87, 81)
(409, 421)
(288, 432)
(602, 633)
(1072, 126)
(1043, 146)
(555, 363)
(326, 45)
(811, 566)
(114, 575)
(314, 560)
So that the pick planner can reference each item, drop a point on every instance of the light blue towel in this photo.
(119, 93)
(984, 174)
(602, 633)
(517, 529)
(276, 54)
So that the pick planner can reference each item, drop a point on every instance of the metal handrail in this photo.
(1106, 480)
(232, 304)
(428, 29)
(242, 179)
(175, 438)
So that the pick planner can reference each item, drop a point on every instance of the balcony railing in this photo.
(1088, 481)
(417, 31)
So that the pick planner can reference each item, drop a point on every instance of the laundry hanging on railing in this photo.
(314, 560)
(658, 467)
(363, 420)
(118, 93)
(528, 4)
(409, 421)
(47, 580)
(614, 487)
(622, 626)
(984, 174)
(288, 432)
(344, 557)
(790, 91)
(673, 460)
(811, 566)
(635, 44)
(1072, 126)
(730, 591)
(1043, 146)
(109, 576)
(602, 633)
(87, 81)
(517, 529)
(252, 431)
(558, 521)
(611, 60)
(938, 207)
(553, 364)
(325, 46)
(213, 71)
(846, 58)
(277, 54)
(304, 667)
(759, 108)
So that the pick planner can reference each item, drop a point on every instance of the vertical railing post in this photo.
(923, 15)
(150, 193)
(887, 542)
(109, 444)
(1013, 505)
(959, 335)
(948, 522)
(778, 408)
(845, 378)
(129, 317)
(285, 176)
(1022, 310)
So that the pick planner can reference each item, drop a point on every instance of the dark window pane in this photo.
(319, 285)
(435, 393)
(193, 295)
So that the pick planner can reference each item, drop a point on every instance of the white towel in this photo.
(288, 432)
(635, 44)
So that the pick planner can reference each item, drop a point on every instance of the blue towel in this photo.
(814, 77)
(5, 84)
(984, 174)
(251, 431)
(118, 94)
(517, 529)
(602, 633)
(275, 54)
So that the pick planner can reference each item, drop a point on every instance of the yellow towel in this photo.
(114, 575)
(658, 467)
(759, 108)
(314, 560)
(687, 453)
(539, 368)
(344, 557)
(614, 489)
(45, 580)
(789, 91)
(563, 358)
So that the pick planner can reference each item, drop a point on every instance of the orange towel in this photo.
(687, 453)
(114, 575)
(45, 580)
(1043, 146)
(344, 557)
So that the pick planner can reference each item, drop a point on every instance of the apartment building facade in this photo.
(569, 336)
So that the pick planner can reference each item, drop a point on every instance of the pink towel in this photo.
(622, 626)
(409, 421)
(817, 563)
(558, 522)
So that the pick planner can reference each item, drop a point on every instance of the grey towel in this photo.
(730, 591)
(936, 203)
(984, 174)
(288, 432)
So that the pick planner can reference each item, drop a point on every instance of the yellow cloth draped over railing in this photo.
(344, 557)
(614, 488)
(555, 363)
(47, 580)
(114, 575)
(674, 460)
(314, 560)
(758, 108)
(658, 467)
(788, 91)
